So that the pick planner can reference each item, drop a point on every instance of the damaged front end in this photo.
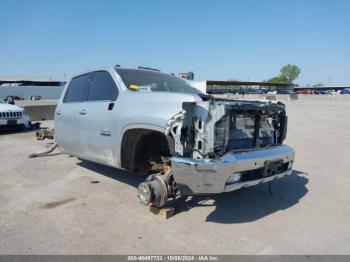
(210, 129)
(224, 145)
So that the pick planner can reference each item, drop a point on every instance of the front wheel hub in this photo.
(154, 191)
(144, 193)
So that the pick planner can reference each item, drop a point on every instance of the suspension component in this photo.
(157, 188)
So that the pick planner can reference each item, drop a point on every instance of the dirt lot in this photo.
(48, 205)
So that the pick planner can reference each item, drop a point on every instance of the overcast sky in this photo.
(217, 40)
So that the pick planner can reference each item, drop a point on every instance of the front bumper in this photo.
(209, 176)
(20, 122)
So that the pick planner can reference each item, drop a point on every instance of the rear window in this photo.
(78, 89)
(103, 87)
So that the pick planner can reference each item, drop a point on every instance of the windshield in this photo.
(153, 81)
(2, 101)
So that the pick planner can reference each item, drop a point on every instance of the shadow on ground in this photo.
(117, 174)
(249, 204)
(11, 131)
(241, 206)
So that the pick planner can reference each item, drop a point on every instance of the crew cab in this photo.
(156, 124)
(12, 116)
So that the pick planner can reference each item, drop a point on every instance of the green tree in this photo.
(288, 74)
(278, 79)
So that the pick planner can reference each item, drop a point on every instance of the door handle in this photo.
(82, 112)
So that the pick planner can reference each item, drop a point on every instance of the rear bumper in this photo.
(210, 176)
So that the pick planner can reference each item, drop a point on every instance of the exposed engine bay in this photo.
(219, 146)
(211, 128)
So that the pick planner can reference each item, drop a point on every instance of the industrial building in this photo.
(222, 87)
(26, 87)
(31, 81)
(328, 87)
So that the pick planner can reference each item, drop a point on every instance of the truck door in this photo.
(98, 119)
(67, 114)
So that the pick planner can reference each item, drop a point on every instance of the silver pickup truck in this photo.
(186, 142)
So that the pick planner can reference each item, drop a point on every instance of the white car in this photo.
(12, 116)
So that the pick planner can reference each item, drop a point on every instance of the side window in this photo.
(78, 89)
(103, 87)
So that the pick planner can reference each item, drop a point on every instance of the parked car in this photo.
(248, 90)
(12, 116)
(304, 91)
(11, 99)
(255, 91)
(156, 124)
(35, 97)
(345, 91)
(322, 92)
(282, 91)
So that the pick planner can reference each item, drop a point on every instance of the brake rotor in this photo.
(157, 188)
(163, 192)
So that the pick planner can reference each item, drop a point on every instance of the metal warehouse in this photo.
(25, 87)
(222, 87)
